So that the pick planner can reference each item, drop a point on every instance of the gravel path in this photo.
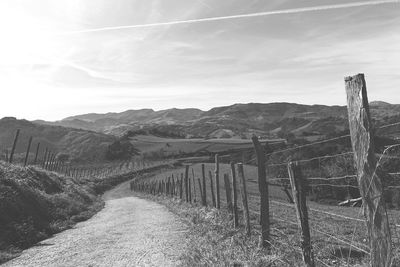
(129, 231)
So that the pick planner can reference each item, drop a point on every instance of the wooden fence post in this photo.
(244, 198)
(216, 172)
(212, 189)
(194, 187)
(201, 191)
(46, 163)
(263, 188)
(234, 192)
(181, 187)
(369, 175)
(187, 183)
(298, 184)
(44, 157)
(37, 153)
(14, 146)
(27, 151)
(190, 189)
(228, 192)
(203, 174)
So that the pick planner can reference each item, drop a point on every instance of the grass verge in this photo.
(213, 241)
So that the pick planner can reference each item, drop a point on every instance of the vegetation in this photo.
(35, 204)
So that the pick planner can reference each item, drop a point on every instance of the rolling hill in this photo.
(79, 144)
(234, 121)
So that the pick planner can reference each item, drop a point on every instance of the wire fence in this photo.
(336, 218)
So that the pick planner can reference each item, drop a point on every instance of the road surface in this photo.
(129, 231)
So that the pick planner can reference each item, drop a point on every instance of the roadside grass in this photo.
(338, 234)
(213, 241)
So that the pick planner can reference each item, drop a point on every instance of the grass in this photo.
(170, 146)
(34, 204)
(333, 228)
(213, 241)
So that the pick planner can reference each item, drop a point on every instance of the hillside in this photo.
(36, 204)
(235, 121)
(78, 144)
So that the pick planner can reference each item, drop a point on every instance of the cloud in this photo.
(240, 16)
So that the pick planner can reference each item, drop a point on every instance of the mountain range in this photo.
(88, 137)
(235, 121)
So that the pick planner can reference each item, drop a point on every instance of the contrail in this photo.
(250, 15)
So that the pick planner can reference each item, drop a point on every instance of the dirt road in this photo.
(129, 231)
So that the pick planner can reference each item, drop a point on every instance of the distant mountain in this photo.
(238, 120)
(81, 145)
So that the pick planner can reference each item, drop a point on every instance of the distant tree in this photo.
(63, 157)
(120, 150)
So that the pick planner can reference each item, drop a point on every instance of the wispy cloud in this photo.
(241, 16)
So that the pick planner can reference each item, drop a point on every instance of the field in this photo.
(338, 233)
(171, 146)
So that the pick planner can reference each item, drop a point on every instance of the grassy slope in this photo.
(325, 227)
(35, 204)
(79, 144)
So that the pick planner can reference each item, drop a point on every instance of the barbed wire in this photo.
(320, 211)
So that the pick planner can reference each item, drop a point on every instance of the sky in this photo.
(68, 57)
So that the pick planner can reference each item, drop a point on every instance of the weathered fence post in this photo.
(14, 146)
(187, 183)
(244, 198)
(234, 192)
(212, 189)
(368, 173)
(44, 157)
(298, 184)
(216, 172)
(203, 174)
(194, 187)
(228, 193)
(201, 191)
(37, 153)
(27, 151)
(263, 188)
(181, 187)
(190, 189)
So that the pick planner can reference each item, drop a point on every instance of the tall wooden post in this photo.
(203, 174)
(369, 175)
(263, 188)
(244, 198)
(228, 192)
(44, 158)
(194, 187)
(234, 193)
(181, 187)
(190, 189)
(14, 146)
(37, 153)
(27, 151)
(216, 172)
(187, 183)
(201, 191)
(212, 189)
(298, 184)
